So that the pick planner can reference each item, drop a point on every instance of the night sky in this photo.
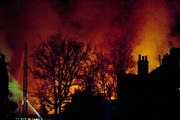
(151, 27)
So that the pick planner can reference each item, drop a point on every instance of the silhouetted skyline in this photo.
(146, 27)
(148, 95)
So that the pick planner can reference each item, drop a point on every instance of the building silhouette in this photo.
(154, 95)
(142, 96)
(85, 105)
(3, 87)
(7, 107)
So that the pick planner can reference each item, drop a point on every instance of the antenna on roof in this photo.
(160, 60)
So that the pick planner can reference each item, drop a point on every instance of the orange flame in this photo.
(153, 33)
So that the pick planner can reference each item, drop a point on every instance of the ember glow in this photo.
(153, 34)
(151, 26)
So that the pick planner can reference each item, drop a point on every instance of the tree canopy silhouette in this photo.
(120, 55)
(100, 71)
(56, 64)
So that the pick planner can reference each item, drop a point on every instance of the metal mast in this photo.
(25, 83)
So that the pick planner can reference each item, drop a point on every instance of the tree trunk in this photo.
(55, 93)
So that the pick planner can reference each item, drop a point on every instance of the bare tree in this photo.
(57, 62)
(120, 52)
(121, 55)
(98, 67)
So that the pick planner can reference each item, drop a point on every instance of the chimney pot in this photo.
(139, 57)
(142, 57)
(145, 57)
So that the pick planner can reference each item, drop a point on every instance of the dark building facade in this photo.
(145, 96)
(3, 87)
(151, 96)
(7, 107)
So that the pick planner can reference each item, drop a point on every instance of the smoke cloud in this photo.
(15, 90)
(151, 27)
(154, 32)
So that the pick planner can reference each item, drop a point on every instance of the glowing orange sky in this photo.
(151, 26)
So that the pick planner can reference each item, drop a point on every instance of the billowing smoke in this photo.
(15, 89)
(153, 33)
(150, 26)
(5, 48)
(157, 32)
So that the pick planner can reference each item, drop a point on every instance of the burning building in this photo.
(146, 96)
(153, 95)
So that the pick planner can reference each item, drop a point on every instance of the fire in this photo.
(153, 34)
(146, 23)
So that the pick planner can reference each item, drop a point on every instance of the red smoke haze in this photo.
(150, 26)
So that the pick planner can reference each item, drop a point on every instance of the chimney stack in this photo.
(142, 66)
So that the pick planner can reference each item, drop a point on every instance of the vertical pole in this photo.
(160, 60)
(25, 83)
